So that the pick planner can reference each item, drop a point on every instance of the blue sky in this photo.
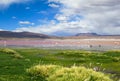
(61, 17)
(33, 12)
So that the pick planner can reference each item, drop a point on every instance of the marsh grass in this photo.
(11, 52)
(59, 73)
(42, 71)
(14, 69)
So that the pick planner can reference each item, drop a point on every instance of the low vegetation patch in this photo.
(61, 69)
(78, 53)
(42, 71)
(59, 73)
(113, 53)
(12, 52)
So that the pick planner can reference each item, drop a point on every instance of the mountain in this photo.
(92, 36)
(86, 34)
(9, 34)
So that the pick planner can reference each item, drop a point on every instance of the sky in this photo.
(61, 17)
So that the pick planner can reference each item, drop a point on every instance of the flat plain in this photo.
(13, 66)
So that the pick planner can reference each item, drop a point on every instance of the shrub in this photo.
(76, 53)
(8, 51)
(116, 59)
(58, 73)
(11, 52)
(17, 56)
(78, 74)
(42, 71)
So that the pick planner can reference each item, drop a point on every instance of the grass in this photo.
(59, 73)
(14, 69)
(11, 52)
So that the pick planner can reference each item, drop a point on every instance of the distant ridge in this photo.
(86, 34)
(92, 34)
(9, 34)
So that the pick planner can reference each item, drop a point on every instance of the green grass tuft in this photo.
(59, 73)
(12, 52)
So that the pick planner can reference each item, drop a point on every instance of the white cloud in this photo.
(53, 5)
(79, 16)
(6, 3)
(98, 15)
(25, 23)
(53, 27)
(61, 17)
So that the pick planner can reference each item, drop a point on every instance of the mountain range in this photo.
(10, 34)
(86, 34)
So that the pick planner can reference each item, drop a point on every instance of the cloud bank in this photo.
(82, 16)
